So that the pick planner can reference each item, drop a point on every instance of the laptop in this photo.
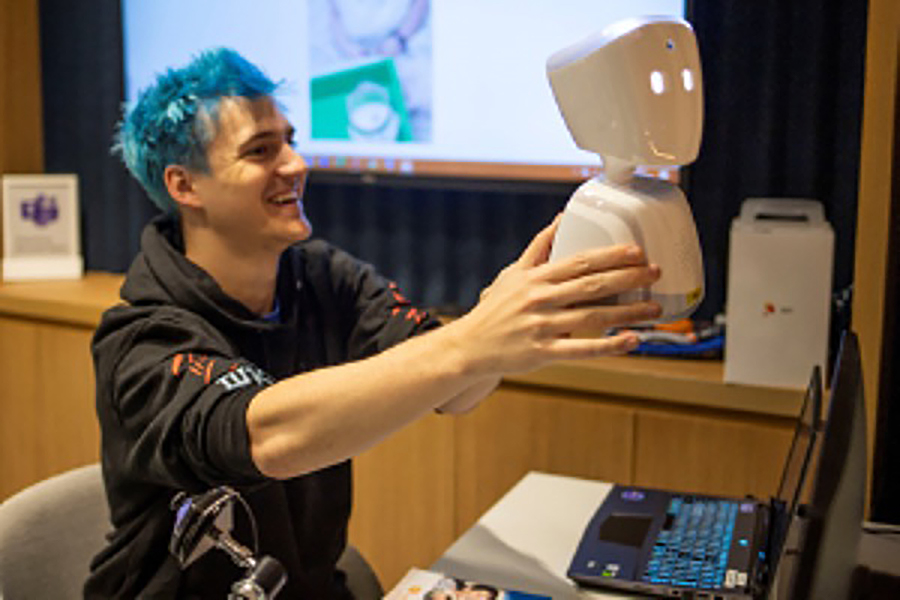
(822, 556)
(671, 544)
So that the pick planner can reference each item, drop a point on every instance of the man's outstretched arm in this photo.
(525, 319)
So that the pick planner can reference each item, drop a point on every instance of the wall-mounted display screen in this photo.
(420, 87)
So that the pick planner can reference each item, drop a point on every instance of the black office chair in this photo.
(361, 579)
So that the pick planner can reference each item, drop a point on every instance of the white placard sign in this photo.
(40, 227)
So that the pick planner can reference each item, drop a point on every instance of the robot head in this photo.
(633, 92)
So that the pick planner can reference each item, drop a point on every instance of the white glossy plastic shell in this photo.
(651, 213)
(633, 92)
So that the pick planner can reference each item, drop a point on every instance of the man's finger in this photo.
(538, 250)
(594, 261)
(579, 348)
(596, 287)
(597, 319)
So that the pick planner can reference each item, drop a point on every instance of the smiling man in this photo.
(247, 354)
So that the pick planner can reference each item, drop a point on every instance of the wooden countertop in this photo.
(696, 383)
(671, 380)
(78, 302)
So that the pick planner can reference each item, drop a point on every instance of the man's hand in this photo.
(528, 316)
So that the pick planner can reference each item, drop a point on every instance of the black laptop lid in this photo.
(797, 462)
(796, 466)
(827, 554)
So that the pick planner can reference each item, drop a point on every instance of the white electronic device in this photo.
(633, 94)
(778, 305)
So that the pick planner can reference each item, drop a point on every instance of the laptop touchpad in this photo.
(625, 529)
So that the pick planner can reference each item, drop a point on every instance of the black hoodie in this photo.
(176, 367)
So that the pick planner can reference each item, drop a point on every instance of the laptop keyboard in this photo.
(692, 548)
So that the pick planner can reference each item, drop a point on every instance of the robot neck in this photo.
(617, 170)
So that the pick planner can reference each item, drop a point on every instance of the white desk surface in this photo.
(527, 539)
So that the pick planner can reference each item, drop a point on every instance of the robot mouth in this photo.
(666, 156)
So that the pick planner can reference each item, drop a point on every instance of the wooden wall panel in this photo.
(403, 499)
(21, 113)
(70, 432)
(47, 406)
(709, 454)
(518, 430)
(20, 424)
(874, 199)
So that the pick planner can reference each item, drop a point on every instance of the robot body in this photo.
(633, 94)
(652, 213)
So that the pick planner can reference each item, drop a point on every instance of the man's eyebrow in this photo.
(287, 132)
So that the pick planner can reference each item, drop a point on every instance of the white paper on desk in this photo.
(419, 584)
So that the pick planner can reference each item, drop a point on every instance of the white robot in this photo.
(633, 94)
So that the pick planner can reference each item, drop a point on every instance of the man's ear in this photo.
(181, 186)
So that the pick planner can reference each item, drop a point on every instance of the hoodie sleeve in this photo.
(180, 396)
(381, 315)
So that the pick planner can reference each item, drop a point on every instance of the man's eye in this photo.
(258, 151)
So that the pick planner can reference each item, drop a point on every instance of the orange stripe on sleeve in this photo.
(176, 364)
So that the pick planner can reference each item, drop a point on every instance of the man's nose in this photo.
(293, 163)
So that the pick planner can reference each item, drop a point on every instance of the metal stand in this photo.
(204, 522)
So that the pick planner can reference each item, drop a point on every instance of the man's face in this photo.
(252, 196)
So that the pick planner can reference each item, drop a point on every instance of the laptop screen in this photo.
(801, 447)
(795, 468)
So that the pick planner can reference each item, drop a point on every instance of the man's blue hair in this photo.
(175, 118)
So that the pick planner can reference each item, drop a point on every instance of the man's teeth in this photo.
(285, 200)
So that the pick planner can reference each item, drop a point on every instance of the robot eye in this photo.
(687, 79)
(670, 44)
(657, 82)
